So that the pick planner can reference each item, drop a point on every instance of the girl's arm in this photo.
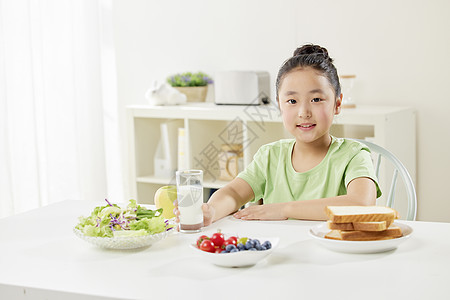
(227, 200)
(224, 201)
(360, 191)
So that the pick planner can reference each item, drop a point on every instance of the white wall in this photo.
(400, 51)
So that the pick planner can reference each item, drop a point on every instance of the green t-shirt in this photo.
(273, 178)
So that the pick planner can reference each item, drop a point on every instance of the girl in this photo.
(297, 178)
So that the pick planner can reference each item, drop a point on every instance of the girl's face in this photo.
(308, 105)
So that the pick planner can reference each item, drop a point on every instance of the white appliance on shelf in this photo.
(242, 87)
(166, 156)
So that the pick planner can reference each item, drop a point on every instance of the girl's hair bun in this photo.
(312, 49)
(313, 56)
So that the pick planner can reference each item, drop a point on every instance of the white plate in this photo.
(130, 242)
(237, 259)
(318, 232)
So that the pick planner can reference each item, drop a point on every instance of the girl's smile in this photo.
(306, 126)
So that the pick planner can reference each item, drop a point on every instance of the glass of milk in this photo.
(190, 199)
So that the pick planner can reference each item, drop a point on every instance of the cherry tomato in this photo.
(218, 250)
(233, 238)
(230, 241)
(207, 246)
(218, 239)
(201, 239)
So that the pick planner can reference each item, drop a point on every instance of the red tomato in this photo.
(233, 238)
(218, 239)
(207, 246)
(201, 239)
(230, 241)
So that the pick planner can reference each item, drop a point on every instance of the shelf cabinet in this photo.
(208, 126)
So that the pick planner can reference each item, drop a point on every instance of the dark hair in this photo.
(313, 56)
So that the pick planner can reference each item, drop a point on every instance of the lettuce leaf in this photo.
(151, 225)
(95, 231)
(143, 212)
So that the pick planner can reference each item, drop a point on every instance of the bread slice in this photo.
(351, 214)
(356, 235)
(363, 226)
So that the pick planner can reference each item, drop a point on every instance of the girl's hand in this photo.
(262, 212)
(208, 213)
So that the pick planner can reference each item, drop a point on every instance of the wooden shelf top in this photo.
(256, 113)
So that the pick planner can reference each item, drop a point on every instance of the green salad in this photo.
(112, 221)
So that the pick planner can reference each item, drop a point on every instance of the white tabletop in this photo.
(41, 258)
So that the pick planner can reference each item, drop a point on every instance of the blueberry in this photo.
(263, 248)
(267, 244)
(230, 247)
(252, 249)
(256, 242)
(234, 250)
(240, 246)
(248, 245)
(258, 247)
(224, 251)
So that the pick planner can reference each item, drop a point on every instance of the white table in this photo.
(41, 258)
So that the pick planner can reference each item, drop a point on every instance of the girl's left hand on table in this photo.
(262, 212)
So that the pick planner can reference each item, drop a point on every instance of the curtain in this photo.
(58, 106)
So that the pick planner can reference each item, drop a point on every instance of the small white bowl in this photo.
(237, 259)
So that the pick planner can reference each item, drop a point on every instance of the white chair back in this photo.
(398, 169)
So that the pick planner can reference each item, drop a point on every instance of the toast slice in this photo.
(351, 214)
(345, 235)
(362, 226)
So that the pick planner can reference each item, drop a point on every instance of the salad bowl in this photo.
(112, 227)
(122, 242)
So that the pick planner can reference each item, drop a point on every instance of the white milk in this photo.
(190, 199)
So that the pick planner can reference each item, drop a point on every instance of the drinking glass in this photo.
(190, 199)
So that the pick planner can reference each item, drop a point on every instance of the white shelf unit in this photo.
(207, 126)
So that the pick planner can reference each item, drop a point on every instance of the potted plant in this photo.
(193, 85)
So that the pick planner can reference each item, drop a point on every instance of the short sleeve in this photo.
(361, 165)
(255, 174)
